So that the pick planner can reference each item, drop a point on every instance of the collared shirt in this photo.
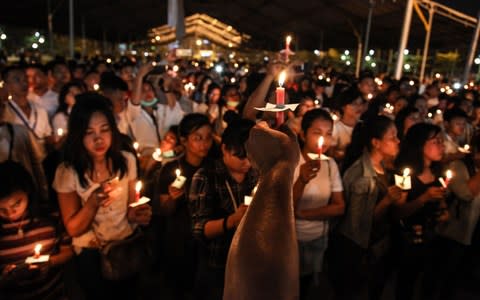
(209, 199)
(48, 101)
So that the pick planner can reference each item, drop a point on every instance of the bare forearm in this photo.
(66, 253)
(257, 98)
(81, 221)
(213, 229)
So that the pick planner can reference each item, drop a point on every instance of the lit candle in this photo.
(448, 176)
(370, 96)
(466, 147)
(179, 180)
(288, 40)
(60, 132)
(138, 188)
(157, 154)
(248, 199)
(404, 181)
(280, 97)
(37, 249)
(320, 146)
(136, 145)
(96, 87)
(406, 173)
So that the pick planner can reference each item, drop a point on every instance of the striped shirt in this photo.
(15, 247)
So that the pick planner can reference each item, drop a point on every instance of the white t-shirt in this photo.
(143, 128)
(168, 117)
(341, 135)
(451, 147)
(316, 194)
(48, 101)
(127, 117)
(110, 223)
(60, 120)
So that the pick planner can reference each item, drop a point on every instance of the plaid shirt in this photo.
(209, 199)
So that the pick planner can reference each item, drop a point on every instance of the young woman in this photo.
(66, 100)
(361, 244)
(405, 119)
(317, 196)
(216, 200)
(95, 185)
(421, 151)
(196, 136)
(21, 229)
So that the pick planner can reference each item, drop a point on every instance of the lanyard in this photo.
(231, 195)
(23, 117)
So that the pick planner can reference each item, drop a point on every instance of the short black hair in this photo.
(14, 178)
(235, 136)
(312, 115)
(9, 69)
(192, 122)
(111, 82)
(454, 113)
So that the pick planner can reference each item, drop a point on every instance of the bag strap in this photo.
(24, 121)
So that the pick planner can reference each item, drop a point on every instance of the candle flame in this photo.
(178, 172)
(370, 96)
(158, 151)
(288, 39)
(406, 172)
(320, 141)
(281, 78)
(96, 87)
(38, 248)
(60, 132)
(254, 191)
(138, 186)
(449, 174)
(136, 145)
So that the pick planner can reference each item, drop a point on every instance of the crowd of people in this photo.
(387, 187)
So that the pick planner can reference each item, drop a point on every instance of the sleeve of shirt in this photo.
(65, 180)
(336, 180)
(133, 111)
(459, 183)
(200, 203)
(131, 165)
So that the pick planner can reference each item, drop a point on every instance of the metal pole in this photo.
(427, 44)
(367, 34)
(473, 49)
(407, 20)
(359, 58)
(70, 12)
(50, 26)
(84, 40)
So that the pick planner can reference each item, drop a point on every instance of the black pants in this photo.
(209, 282)
(353, 272)
(94, 285)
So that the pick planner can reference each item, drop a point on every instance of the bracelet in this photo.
(224, 224)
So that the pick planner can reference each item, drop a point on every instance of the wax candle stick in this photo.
(288, 40)
(320, 145)
(138, 188)
(280, 97)
(448, 176)
(37, 249)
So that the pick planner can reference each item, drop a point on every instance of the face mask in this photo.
(233, 104)
(149, 103)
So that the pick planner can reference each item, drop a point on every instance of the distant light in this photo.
(328, 79)
(96, 87)
(347, 52)
(457, 85)
(320, 77)
(134, 52)
(218, 69)
(206, 42)
(368, 58)
(198, 42)
(449, 92)
(371, 52)
(429, 115)
(233, 80)
(465, 87)
(235, 65)
(316, 52)
(41, 40)
(175, 68)
(37, 34)
(109, 60)
(3, 36)
(411, 82)
(442, 90)
(229, 28)
(343, 57)
(231, 55)
(265, 58)
(145, 54)
(246, 70)
(230, 45)
(437, 75)
(477, 61)
(34, 45)
(373, 65)
(348, 62)
(405, 52)
(157, 38)
(407, 67)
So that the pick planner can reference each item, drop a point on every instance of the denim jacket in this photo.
(361, 193)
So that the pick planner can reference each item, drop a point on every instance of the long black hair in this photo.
(62, 105)
(362, 136)
(411, 148)
(75, 153)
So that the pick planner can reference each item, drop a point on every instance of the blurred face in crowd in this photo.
(78, 73)
(16, 83)
(388, 144)
(319, 127)
(169, 142)
(198, 142)
(411, 120)
(354, 109)
(306, 105)
(235, 163)
(126, 73)
(118, 99)
(70, 97)
(147, 91)
(467, 106)
(36, 79)
(400, 104)
(456, 126)
(91, 80)
(366, 86)
(232, 98)
(61, 74)
(434, 148)
(421, 105)
(98, 137)
(214, 96)
(14, 206)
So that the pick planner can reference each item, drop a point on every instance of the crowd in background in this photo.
(76, 137)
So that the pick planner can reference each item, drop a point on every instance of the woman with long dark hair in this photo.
(95, 185)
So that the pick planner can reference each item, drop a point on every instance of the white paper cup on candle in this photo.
(37, 258)
(247, 200)
(404, 181)
(141, 201)
(179, 180)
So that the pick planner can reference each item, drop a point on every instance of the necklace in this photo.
(22, 223)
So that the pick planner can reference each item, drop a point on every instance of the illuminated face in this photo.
(388, 144)
(16, 83)
(14, 206)
(234, 163)
(434, 148)
(98, 137)
(319, 127)
(198, 143)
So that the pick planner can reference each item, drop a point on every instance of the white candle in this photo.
(96, 87)
(138, 188)
(37, 249)
(448, 176)
(179, 180)
(320, 145)
(60, 131)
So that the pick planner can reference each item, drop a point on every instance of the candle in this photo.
(320, 145)
(448, 176)
(37, 249)
(280, 97)
(406, 173)
(369, 96)
(157, 154)
(136, 145)
(248, 199)
(288, 40)
(404, 182)
(96, 87)
(179, 180)
(138, 188)
(60, 132)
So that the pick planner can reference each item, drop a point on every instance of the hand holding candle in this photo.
(179, 180)
(404, 182)
(37, 258)
(139, 201)
(446, 181)
(157, 155)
